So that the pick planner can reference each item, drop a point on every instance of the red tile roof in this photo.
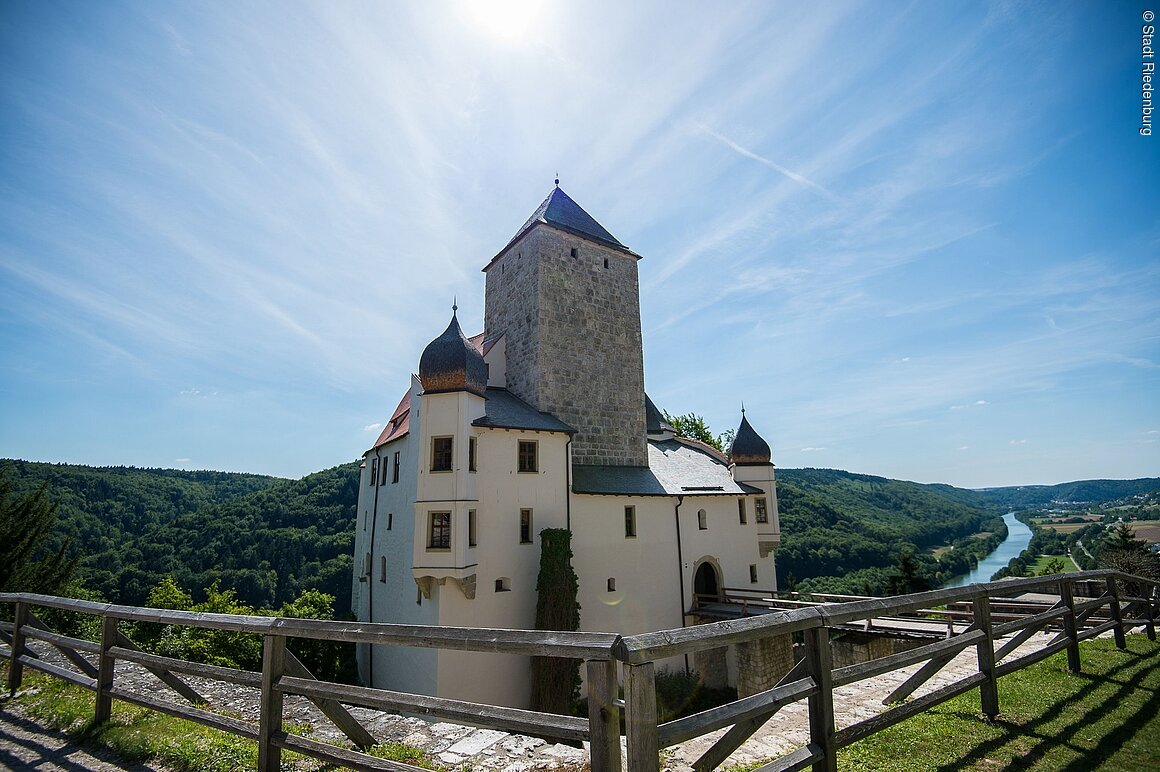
(399, 424)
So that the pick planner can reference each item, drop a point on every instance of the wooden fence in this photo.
(611, 663)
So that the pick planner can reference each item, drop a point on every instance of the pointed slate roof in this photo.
(748, 448)
(654, 420)
(559, 211)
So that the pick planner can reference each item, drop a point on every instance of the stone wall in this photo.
(572, 326)
(713, 667)
(762, 663)
(852, 648)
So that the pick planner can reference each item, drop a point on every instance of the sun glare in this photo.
(507, 20)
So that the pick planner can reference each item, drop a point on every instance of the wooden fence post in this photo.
(15, 668)
(105, 670)
(1114, 605)
(985, 650)
(603, 716)
(640, 718)
(270, 713)
(1150, 595)
(1069, 627)
(820, 665)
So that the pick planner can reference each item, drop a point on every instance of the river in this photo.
(1018, 537)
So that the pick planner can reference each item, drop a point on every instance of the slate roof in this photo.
(676, 468)
(505, 410)
(748, 449)
(654, 420)
(560, 211)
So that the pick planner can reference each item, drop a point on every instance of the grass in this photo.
(1107, 717)
(1104, 718)
(135, 734)
(138, 734)
(1041, 563)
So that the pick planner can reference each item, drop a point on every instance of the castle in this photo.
(542, 421)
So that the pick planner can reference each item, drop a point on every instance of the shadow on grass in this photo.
(1063, 736)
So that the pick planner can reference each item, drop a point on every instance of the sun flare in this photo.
(507, 20)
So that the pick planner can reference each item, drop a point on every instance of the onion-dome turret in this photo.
(451, 363)
(748, 449)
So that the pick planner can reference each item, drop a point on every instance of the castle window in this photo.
(527, 461)
(741, 518)
(525, 526)
(612, 584)
(383, 472)
(630, 522)
(383, 569)
(471, 454)
(575, 252)
(702, 520)
(503, 584)
(374, 471)
(471, 528)
(761, 514)
(441, 451)
(390, 520)
(439, 531)
(606, 262)
(395, 474)
(753, 573)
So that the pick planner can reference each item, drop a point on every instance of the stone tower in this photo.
(565, 295)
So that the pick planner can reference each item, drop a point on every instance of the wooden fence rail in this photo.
(611, 661)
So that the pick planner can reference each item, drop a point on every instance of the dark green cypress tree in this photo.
(29, 562)
(556, 681)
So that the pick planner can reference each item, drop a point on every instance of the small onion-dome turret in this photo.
(451, 363)
(748, 449)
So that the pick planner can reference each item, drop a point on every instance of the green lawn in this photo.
(1042, 561)
(1105, 718)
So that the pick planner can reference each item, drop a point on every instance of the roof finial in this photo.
(557, 179)
(455, 307)
(742, 408)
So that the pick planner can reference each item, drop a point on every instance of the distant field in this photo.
(1065, 527)
(1148, 530)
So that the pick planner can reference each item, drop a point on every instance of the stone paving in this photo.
(460, 747)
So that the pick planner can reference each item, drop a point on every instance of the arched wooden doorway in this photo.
(705, 582)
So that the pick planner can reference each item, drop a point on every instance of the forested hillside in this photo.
(844, 532)
(272, 539)
(266, 537)
(1081, 491)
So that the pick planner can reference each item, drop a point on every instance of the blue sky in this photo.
(917, 240)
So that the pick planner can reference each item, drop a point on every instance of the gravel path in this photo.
(24, 745)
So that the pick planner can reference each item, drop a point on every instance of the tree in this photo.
(694, 427)
(908, 575)
(33, 556)
(555, 680)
